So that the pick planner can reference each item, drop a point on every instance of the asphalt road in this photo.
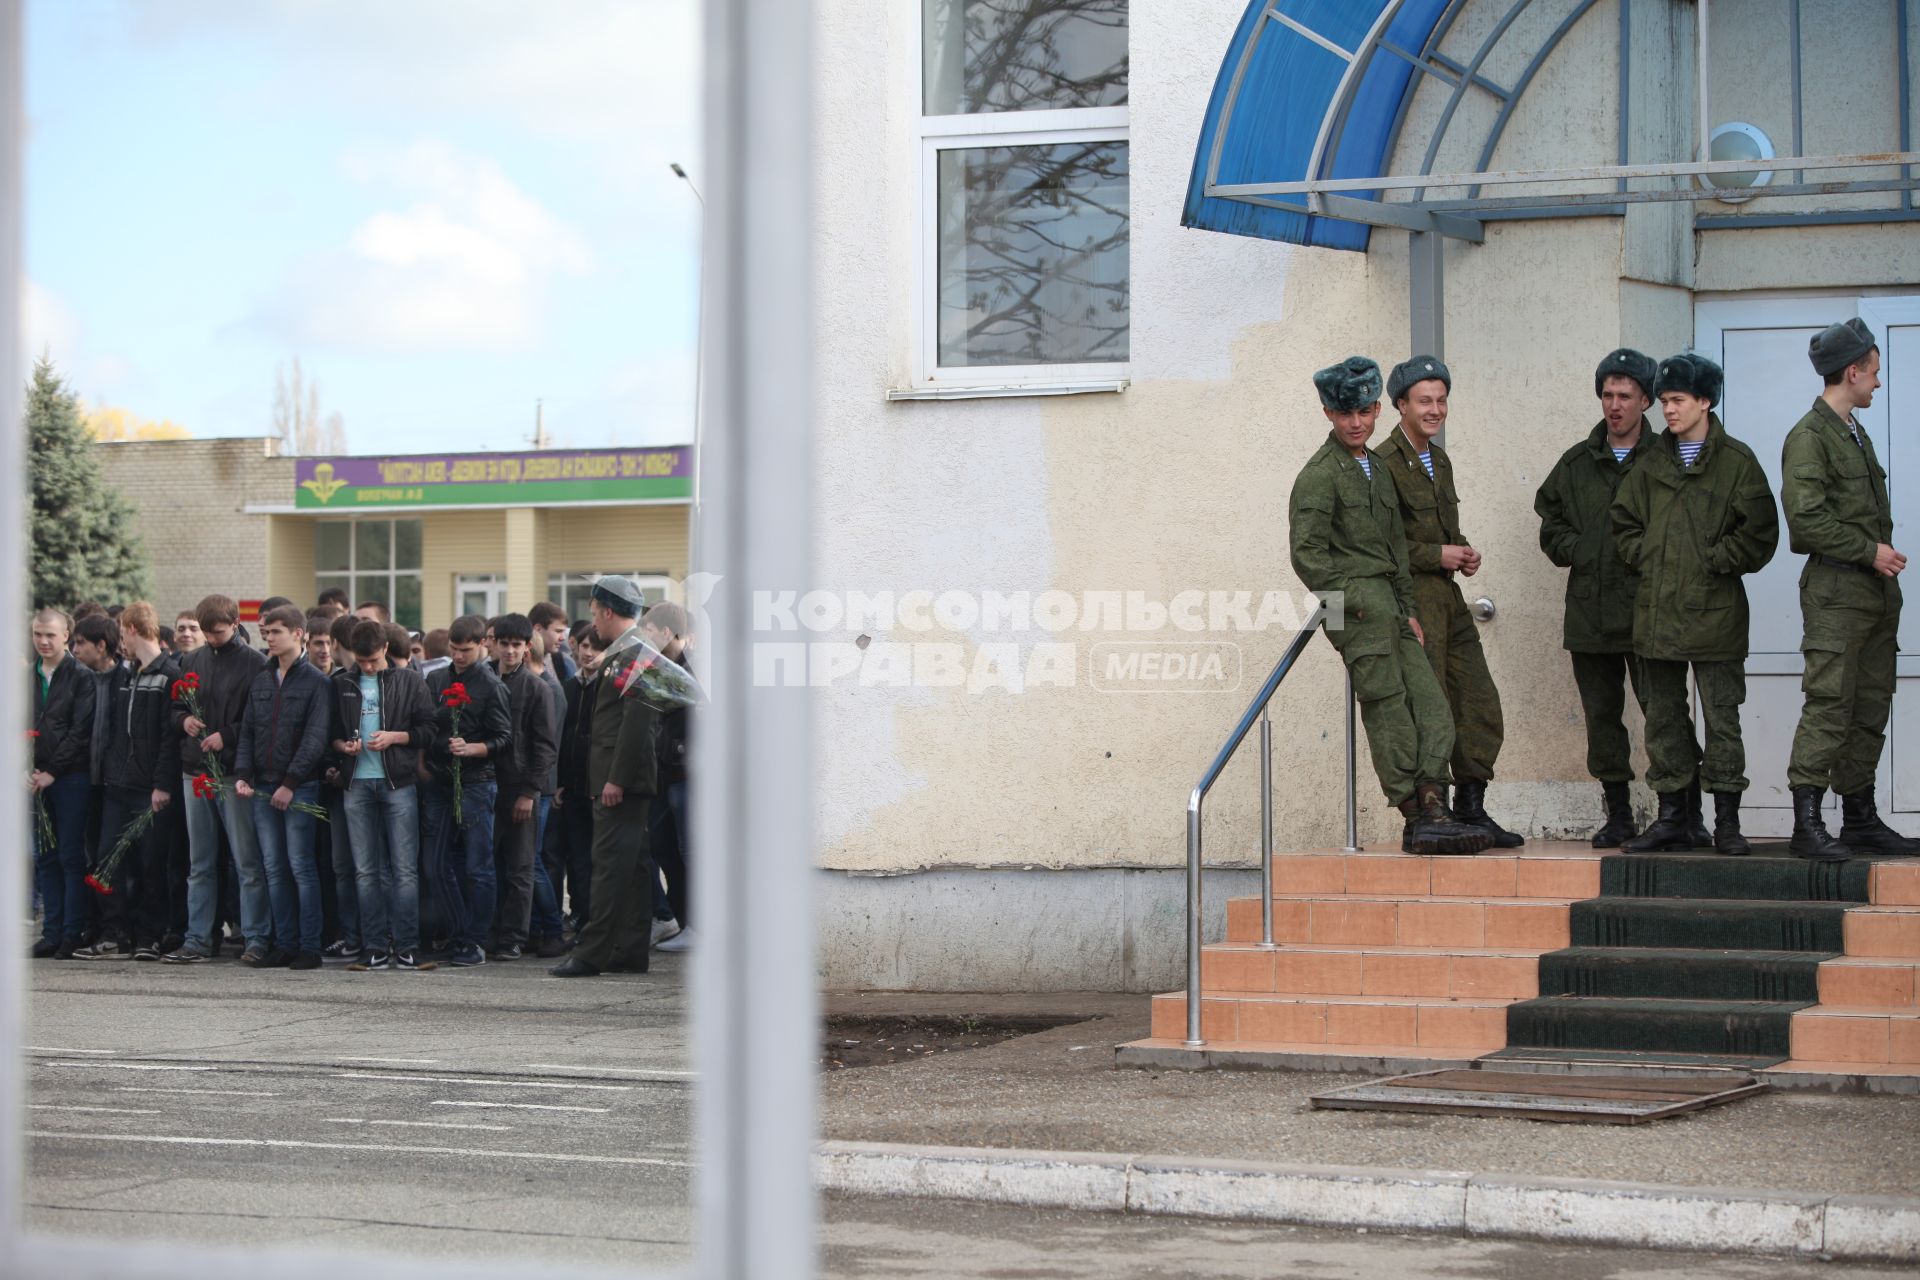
(488, 1111)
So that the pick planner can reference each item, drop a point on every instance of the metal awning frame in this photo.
(1463, 219)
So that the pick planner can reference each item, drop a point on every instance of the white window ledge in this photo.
(977, 392)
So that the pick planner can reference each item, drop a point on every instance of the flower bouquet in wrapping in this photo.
(650, 675)
(456, 699)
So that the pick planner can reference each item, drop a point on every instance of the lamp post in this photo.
(699, 371)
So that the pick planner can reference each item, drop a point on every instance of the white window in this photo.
(371, 560)
(1022, 284)
(482, 594)
(571, 591)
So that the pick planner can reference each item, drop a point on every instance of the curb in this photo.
(1851, 1228)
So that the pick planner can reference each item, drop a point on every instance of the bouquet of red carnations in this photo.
(455, 700)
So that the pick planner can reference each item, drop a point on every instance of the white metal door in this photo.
(1762, 345)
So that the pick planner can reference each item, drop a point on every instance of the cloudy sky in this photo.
(445, 208)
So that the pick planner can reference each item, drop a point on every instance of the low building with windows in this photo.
(432, 536)
(1071, 288)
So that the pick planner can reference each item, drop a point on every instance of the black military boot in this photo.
(1696, 820)
(1619, 826)
(1862, 831)
(1470, 806)
(1810, 838)
(1726, 825)
(1668, 834)
(1431, 829)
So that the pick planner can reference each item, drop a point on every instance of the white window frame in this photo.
(391, 596)
(493, 584)
(934, 134)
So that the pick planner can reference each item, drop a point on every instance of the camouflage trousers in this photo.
(1674, 756)
(1460, 665)
(1409, 729)
(1848, 643)
(1602, 679)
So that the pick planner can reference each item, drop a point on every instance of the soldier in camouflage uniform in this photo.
(1835, 494)
(1576, 533)
(1346, 539)
(1436, 550)
(1692, 517)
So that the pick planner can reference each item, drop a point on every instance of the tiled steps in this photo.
(1387, 956)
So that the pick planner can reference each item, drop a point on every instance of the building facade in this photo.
(431, 536)
(1033, 379)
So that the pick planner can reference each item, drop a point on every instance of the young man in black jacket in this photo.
(382, 722)
(224, 668)
(573, 804)
(464, 886)
(136, 760)
(63, 697)
(522, 772)
(283, 738)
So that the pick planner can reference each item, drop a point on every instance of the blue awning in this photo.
(1280, 88)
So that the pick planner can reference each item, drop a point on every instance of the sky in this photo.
(445, 209)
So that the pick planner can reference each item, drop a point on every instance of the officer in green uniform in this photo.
(1692, 517)
(1347, 541)
(1576, 534)
(1422, 476)
(622, 776)
(1835, 494)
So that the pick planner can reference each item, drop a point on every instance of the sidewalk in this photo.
(1057, 1091)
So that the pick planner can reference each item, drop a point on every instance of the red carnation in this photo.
(98, 886)
(33, 733)
(457, 695)
(203, 787)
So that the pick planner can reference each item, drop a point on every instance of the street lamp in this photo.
(699, 363)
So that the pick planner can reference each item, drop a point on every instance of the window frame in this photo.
(934, 134)
(353, 573)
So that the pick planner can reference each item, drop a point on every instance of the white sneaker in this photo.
(662, 930)
(681, 941)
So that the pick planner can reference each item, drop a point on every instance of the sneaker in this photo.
(185, 955)
(278, 958)
(504, 953)
(681, 941)
(405, 960)
(662, 930)
(304, 960)
(146, 951)
(43, 950)
(172, 942)
(467, 957)
(370, 962)
(104, 949)
(549, 948)
(339, 950)
(254, 958)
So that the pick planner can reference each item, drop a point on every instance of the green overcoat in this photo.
(1576, 532)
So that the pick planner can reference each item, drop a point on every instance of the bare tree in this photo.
(296, 415)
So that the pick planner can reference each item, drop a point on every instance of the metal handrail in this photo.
(1256, 710)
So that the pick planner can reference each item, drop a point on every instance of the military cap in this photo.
(1626, 363)
(1839, 345)
(1692, 373)
(619, 593)
(1354, 383)
(1418, 369)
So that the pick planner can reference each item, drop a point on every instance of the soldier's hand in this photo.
(1418, 634)
(1887, 562)
(1471, 563)
(1454, 558)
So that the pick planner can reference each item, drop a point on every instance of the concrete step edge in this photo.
(1646, 1215)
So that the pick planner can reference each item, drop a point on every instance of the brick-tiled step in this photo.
(1831, 1034)
(1889, 931)
(1558, 872)
(1861, 983)
(1895, 884)
(1355, 920)
(1332, 970)
(1346, 1022)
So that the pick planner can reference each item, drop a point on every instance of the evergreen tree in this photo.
(83, 543)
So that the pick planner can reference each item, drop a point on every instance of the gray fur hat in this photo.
(1839, 345)
(1354, 383)
(1692, 373)
(1627, 363)
(1418, 369)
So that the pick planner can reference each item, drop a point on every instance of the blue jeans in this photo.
(384, 824)
(667, 841)
(546, 903)
(205, 818)
(464, 885)
(293, 874)
(60, 868)
(346, 898)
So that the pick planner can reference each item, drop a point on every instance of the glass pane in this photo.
(371, 548)
(1033, 254)
(406, 600)
(1024, 55)
(372, 587)
(406, 544)
(332, 546)
(473, 602)
(328, 581)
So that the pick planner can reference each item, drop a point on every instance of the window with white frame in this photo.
(572, 591)
(371, 560)
(1023, 208)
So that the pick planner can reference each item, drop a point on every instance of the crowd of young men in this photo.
(1657, 532)
(355, 791)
